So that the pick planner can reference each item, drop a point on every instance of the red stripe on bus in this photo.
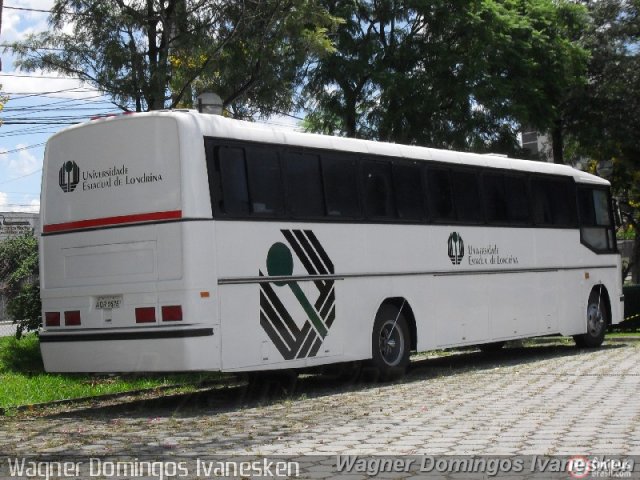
(109, 221)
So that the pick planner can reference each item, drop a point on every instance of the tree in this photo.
(259, 70)
(147, 54)
(460, 75)
(604, 116)
(19, 281)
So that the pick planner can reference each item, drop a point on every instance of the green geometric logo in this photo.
(291, 340)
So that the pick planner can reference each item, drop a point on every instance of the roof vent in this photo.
(209, 103)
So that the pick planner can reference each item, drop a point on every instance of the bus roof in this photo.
(221, 127)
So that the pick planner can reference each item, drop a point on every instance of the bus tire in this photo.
(596, 322)
(390, 344)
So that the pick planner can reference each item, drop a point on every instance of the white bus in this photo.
(179, 241)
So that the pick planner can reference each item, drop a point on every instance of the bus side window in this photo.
(305, 197)
(596, 229)
(340, 186)
(407, 186)
(467, 197)
(233, 173)
(378, 193)
(440, 194)
(265, 184)
(554, 202)
(515, 189)
(495, 198)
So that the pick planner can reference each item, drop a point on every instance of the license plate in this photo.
(108, 301)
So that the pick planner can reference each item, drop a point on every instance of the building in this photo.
(539, 144)
(13, 224)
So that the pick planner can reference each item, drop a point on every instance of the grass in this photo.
(623, 334)
(23, 380)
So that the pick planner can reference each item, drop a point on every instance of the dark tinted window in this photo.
(265, 184)
(467, 196)
(340, 186)
(233, 172)
(439, 195)
(593, 205)
(554, 202)
(304, 185)
(506, 200)
(596, 228)
(516, 192)
(378, 195)
(495, 198)
(407, 185)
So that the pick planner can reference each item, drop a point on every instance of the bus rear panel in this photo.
(117, 292)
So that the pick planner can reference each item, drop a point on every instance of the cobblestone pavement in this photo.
(536, 400)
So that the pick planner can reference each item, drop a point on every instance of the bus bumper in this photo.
(119, 351)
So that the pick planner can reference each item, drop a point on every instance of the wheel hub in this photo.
(595, 322)
(391, 343)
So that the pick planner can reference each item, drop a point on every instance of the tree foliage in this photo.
(604, 116)
(19, 281)
(260, 68)
(462, 74)
(149, 54)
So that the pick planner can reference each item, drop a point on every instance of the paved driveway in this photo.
(538, 400)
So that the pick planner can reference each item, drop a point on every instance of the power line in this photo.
(10, 131)
(22, 132)
(72, 108)
(65, 100)
(51, 49)
(27, 9)
(39, 76)
(22, 176)
(44, 94)
(22, 148)
(42, 122)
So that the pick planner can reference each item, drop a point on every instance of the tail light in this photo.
(52, 319)
(72, 318)
(171, 313)
(146, 315)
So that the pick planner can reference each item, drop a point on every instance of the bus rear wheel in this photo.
(596, 322)
(390, 343)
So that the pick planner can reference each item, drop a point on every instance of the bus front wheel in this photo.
(596, 322)
(390, 343)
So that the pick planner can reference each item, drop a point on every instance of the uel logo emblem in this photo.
(297, 332)
(456, 248)
(69, 176)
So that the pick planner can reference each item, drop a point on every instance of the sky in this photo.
(39, 105)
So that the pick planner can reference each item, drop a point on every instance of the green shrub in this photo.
(20, 283)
